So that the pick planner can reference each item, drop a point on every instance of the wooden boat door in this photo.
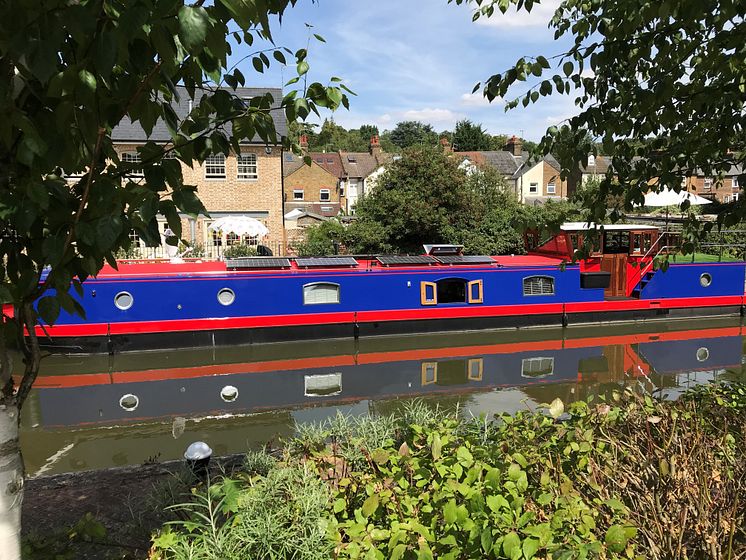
(614, 261)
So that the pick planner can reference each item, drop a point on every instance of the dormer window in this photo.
(352, 159)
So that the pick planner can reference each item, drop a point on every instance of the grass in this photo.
(704, 258)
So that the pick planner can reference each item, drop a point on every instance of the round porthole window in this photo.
(705, 280)
(229, 393)
(702, 354)
(123, 300)
(226, 296)
(129, 402)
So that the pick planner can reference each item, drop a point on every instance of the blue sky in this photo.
(419, 60)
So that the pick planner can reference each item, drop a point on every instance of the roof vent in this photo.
(352, 159)
(443, 249)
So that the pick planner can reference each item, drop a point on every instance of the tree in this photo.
(413, 133)
(322, 239)
(469, 137)
(660, 83)
(72, 72)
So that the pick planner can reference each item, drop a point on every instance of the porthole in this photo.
(705, 280)
(129, 402)
(229, 393)
(226, 296)
(123, 300)
(702, 354)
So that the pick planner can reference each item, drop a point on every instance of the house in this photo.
(296, 222)
(316, 187)
(360, 173)
(724, 189)
(534, 182)
(247, 183)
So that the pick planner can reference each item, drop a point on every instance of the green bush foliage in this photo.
(630, 477)
(236, 251)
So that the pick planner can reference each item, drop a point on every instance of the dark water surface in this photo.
(90, 412)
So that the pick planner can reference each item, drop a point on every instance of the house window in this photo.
(325, 195)
(215, 167)
(341, 190)
(538, 286)
(247, 168)
(533, 188)
(134, 160)
(537, 367)
(232, 239)
(320, 292)
(298, 194)
(707, 184)
(735, 184)
(134, 238)
(551, 188)
(216, 238)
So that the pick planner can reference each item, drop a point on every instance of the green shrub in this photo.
(237, 251)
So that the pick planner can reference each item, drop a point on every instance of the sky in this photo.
(419, 60)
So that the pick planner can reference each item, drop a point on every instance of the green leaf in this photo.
(616, 538)
(450, 512)
(530, 547)
(436, 446)
(567, 68)
(464, 456)
(496, 503)
(512, 546)
(398, 551)
(370, 505)
(302, 68)
(193, 26)
(556, 408)
(319, 38)
(49, 309)
(485, 539)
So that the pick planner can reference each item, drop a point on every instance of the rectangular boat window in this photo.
(476, 291)
(616, 242)
(475, 369)
(429, 373)
(538, 286)
(320, 292)
(428, 293)
(322, 385)
(535, 368)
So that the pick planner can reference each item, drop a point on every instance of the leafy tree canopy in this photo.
(661, 84)
(469, 136)
(72, 72)
(413, 133)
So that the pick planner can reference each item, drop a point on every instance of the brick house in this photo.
(534, 182)
(724, 189)
(248, 183)
(360, 173)
(314, 188)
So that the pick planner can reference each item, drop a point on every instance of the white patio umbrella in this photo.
(240, 225)
(668, 197)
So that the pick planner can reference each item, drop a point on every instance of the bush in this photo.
(237, 251)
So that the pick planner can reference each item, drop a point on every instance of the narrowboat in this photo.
(145, 305)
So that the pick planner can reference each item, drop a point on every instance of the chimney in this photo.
(375, 147)
(303, 142)
(446, 145)
(514, 146)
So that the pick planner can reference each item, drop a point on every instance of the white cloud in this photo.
(431, 115)
(539, 16)
(479, 100)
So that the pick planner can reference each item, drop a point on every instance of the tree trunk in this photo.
(11, 482)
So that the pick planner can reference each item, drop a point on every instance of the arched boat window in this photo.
(320, 292)
(451, 290)
(538, 286)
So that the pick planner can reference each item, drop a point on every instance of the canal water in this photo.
(92, 412)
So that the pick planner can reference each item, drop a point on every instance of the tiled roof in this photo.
(292, 163)
(128, 131)
(361, 164)
(331, 161)
(501, 160)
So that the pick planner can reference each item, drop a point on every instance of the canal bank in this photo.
(619, 477)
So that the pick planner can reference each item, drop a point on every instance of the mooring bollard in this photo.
(198, 456)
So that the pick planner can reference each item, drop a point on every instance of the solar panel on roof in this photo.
(400, 260)
(257, 262)
(325, 262)
(465, 259)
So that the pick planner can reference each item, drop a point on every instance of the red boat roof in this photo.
(162, 267)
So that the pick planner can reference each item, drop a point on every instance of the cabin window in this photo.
(451, 290)
(129, 402)
(703, 354)
(476, 291)
(320, 292)
(475, 368)
(537, 367)
(705, 280)
(429, 374)
(616, 242)
(123, 300)
(322, 385)
(226, 296)
(538, 286)
(428, 293)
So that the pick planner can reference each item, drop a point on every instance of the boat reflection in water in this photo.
(98, 411)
